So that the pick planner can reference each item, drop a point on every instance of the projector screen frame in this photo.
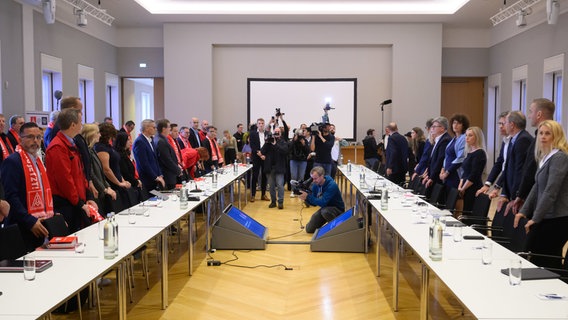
(353, 132)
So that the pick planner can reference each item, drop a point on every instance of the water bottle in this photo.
(362, 183)
(108, 238)
(385, 200)
(214, 179)
(235, 168)
(115, 229)
(340, 160)
(183, 197)
(248, 159)
(435, 244)
(348, 166)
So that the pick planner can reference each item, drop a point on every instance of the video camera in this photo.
(301, 186)
(328, 107)
(315, 127)
(278, 113)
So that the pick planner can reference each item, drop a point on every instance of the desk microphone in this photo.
(196, 190)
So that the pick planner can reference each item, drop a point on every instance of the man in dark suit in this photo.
(146, 159)
(397, 155)
(5, 145)
(439, 131)
(16, 121)
(166, 155)
(210, 143)
(500, 161)
(183, 139)
(194, 135)
(256, 142)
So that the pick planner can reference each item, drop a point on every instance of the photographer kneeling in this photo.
(325, 194)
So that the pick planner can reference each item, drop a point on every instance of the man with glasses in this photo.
(439, 132)
(210, 143)
(27, 187)
(325, 194)
(146, 159)
(183, 139)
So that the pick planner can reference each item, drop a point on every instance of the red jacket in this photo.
(65, 170)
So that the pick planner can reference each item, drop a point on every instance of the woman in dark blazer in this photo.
(472, 166)
(546, 206)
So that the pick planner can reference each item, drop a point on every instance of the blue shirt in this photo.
(326, 195)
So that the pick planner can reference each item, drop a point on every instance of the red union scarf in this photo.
(174, 146)
(40, 202)
(5, 150)
(16, 135)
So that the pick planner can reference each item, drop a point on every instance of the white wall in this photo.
(415, 67)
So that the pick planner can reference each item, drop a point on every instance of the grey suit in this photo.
(549, 196)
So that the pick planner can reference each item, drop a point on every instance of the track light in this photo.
(48, 11)
(81, 18)
(552, 11)
(522, 19)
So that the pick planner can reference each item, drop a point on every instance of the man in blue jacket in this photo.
(325, 194)
(146, 159)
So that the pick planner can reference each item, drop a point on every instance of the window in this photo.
(87, 92)
(552, 83)
(493, 110)
(111, 93)
(146, 106)
(50, 81)
(519, 97)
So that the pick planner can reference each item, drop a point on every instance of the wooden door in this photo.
(465, 96)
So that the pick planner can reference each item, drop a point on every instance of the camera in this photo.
(301, 186)
(278, 113)
(328, 107)
(269, 137)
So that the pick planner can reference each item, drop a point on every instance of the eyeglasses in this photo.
(435, 126)
(31, 136)
(501, 123)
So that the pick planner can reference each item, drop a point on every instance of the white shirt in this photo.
(261, 138)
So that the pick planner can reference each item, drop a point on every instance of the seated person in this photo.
(325, 194)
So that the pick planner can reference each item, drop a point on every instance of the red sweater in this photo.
(65, 170)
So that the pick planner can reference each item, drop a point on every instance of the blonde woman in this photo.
(546, 206)
(92, 135)
(472, 166)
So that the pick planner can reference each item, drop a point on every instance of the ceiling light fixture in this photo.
(512, 11)
(552, 11)
(282, 7)
(522, 19)
(81, 18)
(91, 10)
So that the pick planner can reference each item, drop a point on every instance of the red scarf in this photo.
(51, 125)
(174, 146)
(40, 202)
(16, 135)
(5, 151)
(215, 152)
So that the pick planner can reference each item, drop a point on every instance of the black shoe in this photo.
(280, 206)
(272, 205)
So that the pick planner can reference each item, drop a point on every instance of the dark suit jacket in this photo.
(194, 139)
(397, 153)
(254, 141)
(167, 160)
(497, 166)
(12, 140)
(529, 171)
(147, 162)
(437, 158)
(209, 163)
(511, 178)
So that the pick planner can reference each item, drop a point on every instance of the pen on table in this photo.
(553, 296)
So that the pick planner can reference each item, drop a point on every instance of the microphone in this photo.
(388, 101)
(57, 94)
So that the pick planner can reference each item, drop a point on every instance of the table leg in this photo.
(190, 223)
(378, 244)
(121, 284)
(164, 268)
(395, 267)
(424, 292)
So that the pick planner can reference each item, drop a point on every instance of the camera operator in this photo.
(299, 151)
(336, 150)
(326, 195)
(273, 153)
(322, 143)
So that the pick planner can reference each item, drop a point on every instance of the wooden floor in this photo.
(320, 286)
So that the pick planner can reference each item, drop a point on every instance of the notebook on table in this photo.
(534, 273)
(18, 265)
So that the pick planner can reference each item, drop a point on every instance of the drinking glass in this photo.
(29, 267)
(458, 234)
(487, 251)
(131, 216)
(515, 272)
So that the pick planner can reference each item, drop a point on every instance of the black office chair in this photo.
(56, 226)
(11, 243)
(436, 195)
(452, 195)
(478, 213)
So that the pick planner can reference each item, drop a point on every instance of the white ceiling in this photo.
(474, 14)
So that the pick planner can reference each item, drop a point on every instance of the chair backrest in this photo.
(452, 195)
(56, 226)
(436, 194)
(481, 206)
(12, 244)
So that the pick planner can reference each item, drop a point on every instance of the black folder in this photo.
(534, 274)
(18, 265)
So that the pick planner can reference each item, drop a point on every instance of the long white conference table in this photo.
(482, 289)
(71, 271)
